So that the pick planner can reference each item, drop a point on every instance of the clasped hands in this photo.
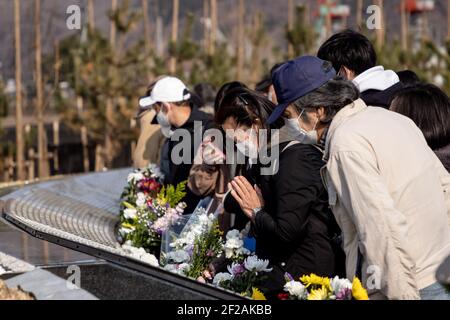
(248, 197)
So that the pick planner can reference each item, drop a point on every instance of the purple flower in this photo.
(236, 269)
(344, 294)
(288, 277)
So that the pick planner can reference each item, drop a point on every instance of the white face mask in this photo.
(163, 121)
(249, 147)
(298, 133)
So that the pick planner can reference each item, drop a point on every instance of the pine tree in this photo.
(301, 37)
(103, 74)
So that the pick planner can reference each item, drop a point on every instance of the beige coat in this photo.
(391, 197)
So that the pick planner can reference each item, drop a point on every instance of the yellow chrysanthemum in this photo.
(358, 291)
(318, 294)
(257, 295)
(314, 279)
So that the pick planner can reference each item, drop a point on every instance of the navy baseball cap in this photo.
(296, 78)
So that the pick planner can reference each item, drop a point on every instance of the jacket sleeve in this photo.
(365, 198)
(296, 187)
(445, 182)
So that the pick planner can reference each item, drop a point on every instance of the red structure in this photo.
(419, 6)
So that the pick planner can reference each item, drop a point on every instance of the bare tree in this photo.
(43, 169)
(214, 27)
(174, 38)
(91, 14)
(20, 146)
(240, 40)
(381, 31)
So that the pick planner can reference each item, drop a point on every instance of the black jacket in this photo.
(377, 98)
(296, 230)
(444, 155)
(180, 172)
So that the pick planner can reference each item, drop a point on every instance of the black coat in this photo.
(180, 172)
(296, 230)
(377, 98)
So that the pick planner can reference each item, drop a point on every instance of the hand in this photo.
(248, 197)
(212, 155)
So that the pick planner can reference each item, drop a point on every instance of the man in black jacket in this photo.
(183, 125)
(354, 58)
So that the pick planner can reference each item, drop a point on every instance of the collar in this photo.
(345, 113)
(376, 78)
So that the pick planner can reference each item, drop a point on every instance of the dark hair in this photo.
(429, 107)
(350, 49)
(334, 95)
(408, 77)
(224, 90)
(245, 106)
(264, 85)
(206, 92)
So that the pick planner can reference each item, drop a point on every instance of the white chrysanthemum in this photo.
(135, 177)
(222, 276)
(130, 213)
(150, 259)
(232, 246)
(254, 264)
(124, 231)
(141, 201)
(339, 284)
(155, 171)
(233, 234)
(178, 256)
(234, 243)
(296, 290)
(243, 251)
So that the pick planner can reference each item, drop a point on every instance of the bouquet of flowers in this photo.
(313, 287)
(244, 277)
(149, 209)
(196, 246)
(142, 184)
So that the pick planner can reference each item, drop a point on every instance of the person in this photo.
(206, 93)
(389, 192)
(151, 140)
(224, 90)
(174, 109)
(408, 77)
(265, 86)
(354, 58)
(288, 206)
(210, 175)
(429, 108)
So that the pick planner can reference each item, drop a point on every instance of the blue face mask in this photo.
(296, 132)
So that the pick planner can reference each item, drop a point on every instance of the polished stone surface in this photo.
(45, 285)
(20, 245)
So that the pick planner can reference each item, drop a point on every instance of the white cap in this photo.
(168, 89)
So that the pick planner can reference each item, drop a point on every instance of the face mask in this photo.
(298, 133)
(163, 121)
(248, 147)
